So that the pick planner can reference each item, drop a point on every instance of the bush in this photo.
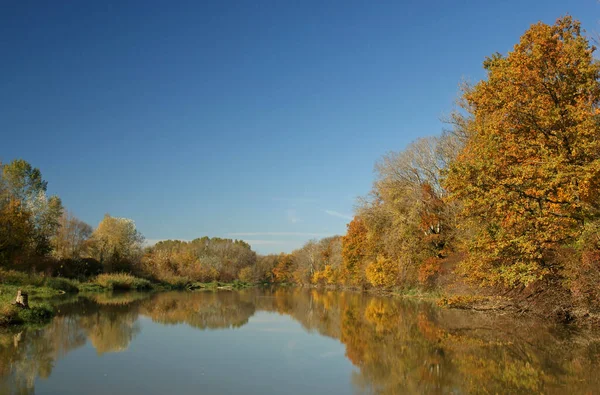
(9, 315)
(237, 284)
(176, 282)
(122, 281)
(428, 270)
(37, 314)
(61, 284)
(382, 273)
(78, 268)
(13, 315)
(247, 275)
(13, 277)
(460, 301)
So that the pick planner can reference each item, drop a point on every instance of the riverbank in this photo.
(544, 301)
(40, 289)
(547, 300)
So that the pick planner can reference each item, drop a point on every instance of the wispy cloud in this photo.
(294, 200)
(292, 216)
(263, 242)
(298, 234)
(338, 214)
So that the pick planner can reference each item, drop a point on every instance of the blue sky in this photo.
(256, 120)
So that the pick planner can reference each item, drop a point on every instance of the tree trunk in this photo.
(22, 299)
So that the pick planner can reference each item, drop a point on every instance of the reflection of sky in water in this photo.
(258, 358)
(293, 341)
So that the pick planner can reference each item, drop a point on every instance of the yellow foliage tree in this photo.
(383, 272)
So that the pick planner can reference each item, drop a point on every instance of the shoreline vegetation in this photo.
(42, 290)
(499, 213)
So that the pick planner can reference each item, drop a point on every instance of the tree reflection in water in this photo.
(398, 346)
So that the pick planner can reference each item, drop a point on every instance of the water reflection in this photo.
(396, 346)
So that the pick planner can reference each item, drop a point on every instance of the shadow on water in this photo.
(396, 346)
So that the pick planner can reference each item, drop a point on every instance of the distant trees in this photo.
(283, 271)
(405, 227)
(116, 243)
(264, 267)
(203, 259)
(417, 201)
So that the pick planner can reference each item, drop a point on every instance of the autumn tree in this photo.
(203, 259)
(529, 174)
(264, 267)
(382, 272)
(407, 216)
(30, 217)
(283, 272)
(116, 242)
(355, 252)
(328, 268)
(71, 239)
(15, 231)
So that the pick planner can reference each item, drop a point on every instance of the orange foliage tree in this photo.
(355, 252)
(283, 272)
(529, 173)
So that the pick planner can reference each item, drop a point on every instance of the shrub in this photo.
(37, 314)
(122, 281)
(9, 315)
(78, 268)
(581, 267)
(176, 282)
(13, 277)
(318, 277)
(429, 270)
(460, 301)
(382, 273)
(61, 284)
(13, 315)
(247, 275)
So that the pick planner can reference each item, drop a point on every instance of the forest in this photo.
(505, 200)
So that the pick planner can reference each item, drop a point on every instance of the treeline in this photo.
(202, 260)
(38, 235)
(510, 192)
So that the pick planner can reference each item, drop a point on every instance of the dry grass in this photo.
(122, 281)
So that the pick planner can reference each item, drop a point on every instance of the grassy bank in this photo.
(216, 285)
(43, 288)
(122, 282)
(39, 289)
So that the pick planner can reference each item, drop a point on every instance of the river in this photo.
(290, 341)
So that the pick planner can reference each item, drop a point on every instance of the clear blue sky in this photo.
(259, 120)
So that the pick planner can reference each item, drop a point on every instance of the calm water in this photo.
(289, 342)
